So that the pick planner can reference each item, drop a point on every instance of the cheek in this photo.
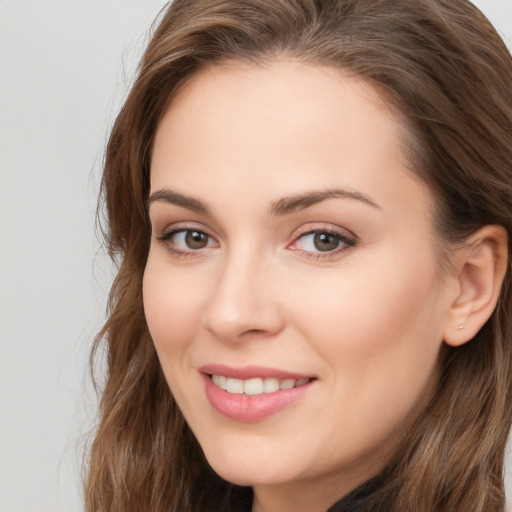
(173, 315)
(382, 303)
(171, 306)
(380, 332)
(380, 339)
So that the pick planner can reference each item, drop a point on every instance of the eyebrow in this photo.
(302, 201)
(280, 207)
(168, 196)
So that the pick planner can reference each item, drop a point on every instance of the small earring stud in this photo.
(461, 327)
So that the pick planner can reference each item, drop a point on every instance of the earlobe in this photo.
(480, 270)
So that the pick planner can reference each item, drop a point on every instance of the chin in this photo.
(246, 472)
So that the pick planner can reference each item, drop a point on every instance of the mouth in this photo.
(253, 393)
(257, 385)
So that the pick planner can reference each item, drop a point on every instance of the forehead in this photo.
(280, 103)
(281, 78)
(255, 131)
(293, 87)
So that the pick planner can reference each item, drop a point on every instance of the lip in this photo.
(251, 372)
(251, 408)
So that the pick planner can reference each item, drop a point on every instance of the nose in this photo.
(244, 304)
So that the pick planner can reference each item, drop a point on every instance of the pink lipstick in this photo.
(252, 393)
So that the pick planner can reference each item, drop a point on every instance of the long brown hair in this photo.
(444, 69)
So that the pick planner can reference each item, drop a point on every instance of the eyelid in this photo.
(176, 227)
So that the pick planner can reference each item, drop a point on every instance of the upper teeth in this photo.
(255, 386)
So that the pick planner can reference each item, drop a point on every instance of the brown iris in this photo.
(196, 239)
(326, 242)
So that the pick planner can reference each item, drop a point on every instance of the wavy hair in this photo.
(443, 68)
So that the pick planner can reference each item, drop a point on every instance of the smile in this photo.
(253, 393)
(256, 386)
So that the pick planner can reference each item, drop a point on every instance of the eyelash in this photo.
(347, 242)
(166, 236)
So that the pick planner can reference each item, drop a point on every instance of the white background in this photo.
(64, 69)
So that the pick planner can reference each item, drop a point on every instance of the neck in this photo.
(302, 496)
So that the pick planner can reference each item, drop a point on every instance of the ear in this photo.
(480, 268)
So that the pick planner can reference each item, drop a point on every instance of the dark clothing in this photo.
(359, 500)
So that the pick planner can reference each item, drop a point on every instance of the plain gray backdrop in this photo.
(64, 68)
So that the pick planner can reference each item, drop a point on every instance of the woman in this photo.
(311, 205)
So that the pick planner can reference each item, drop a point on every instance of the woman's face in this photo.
(293, 261)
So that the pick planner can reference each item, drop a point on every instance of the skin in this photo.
(366, 319)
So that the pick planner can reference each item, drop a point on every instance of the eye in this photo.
(184, 241)
(322, 243)
(191, 239)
